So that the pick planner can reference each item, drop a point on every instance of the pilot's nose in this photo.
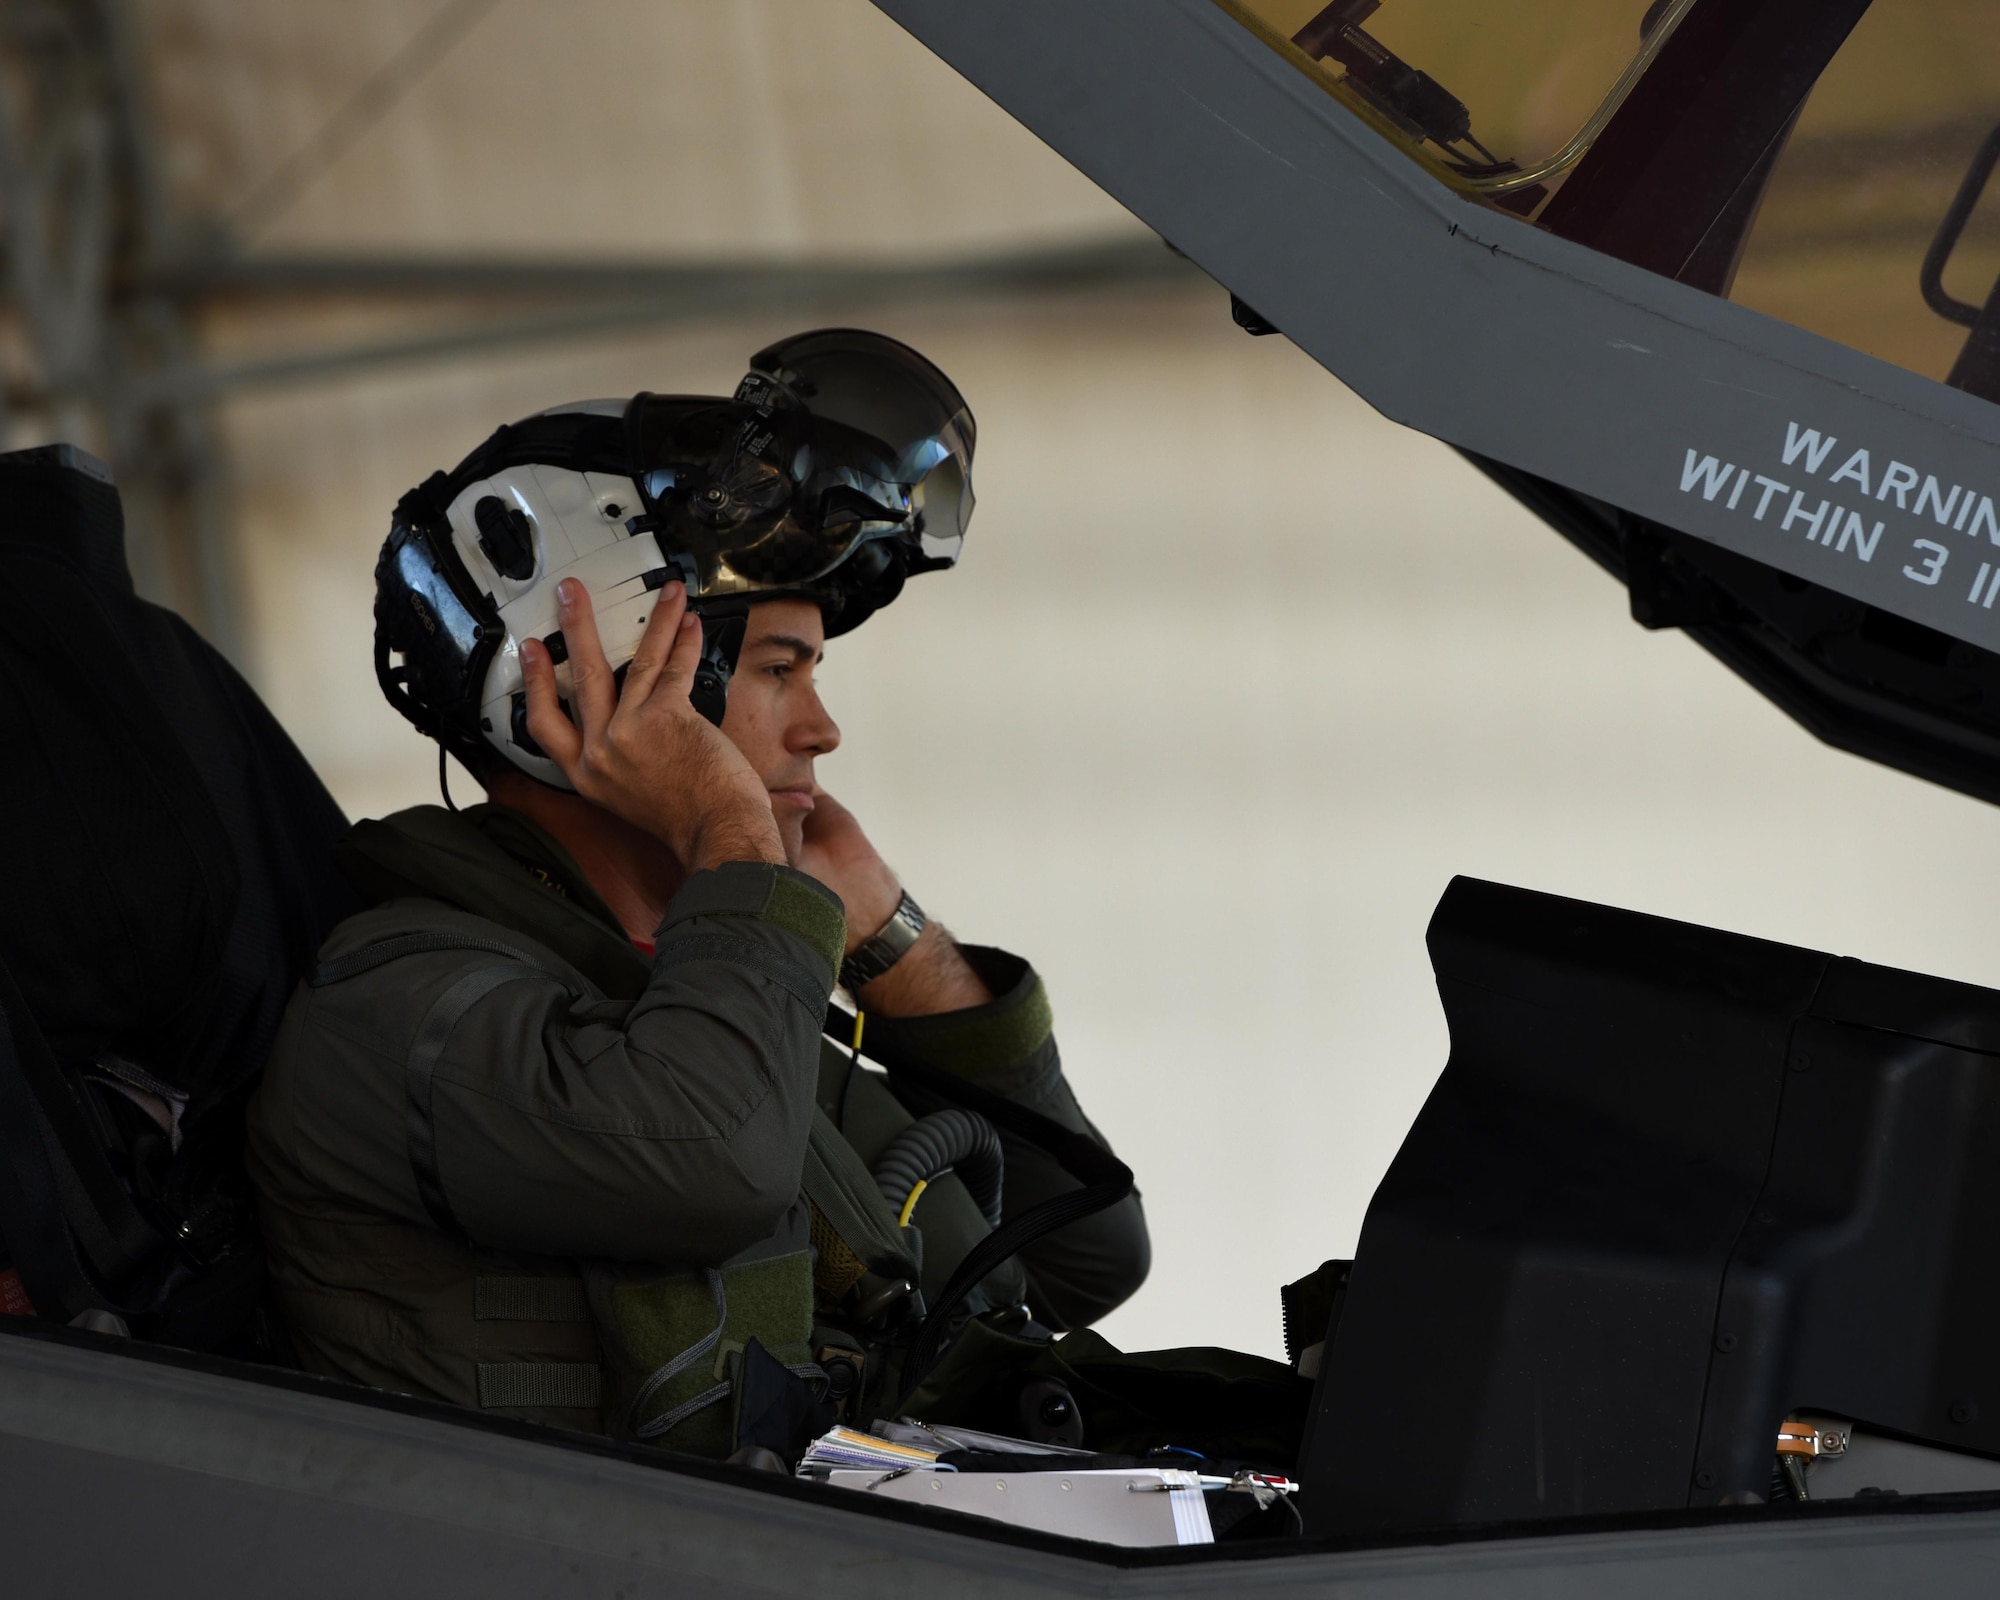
(815, 733)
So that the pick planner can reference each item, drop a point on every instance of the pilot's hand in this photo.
(646, 754)
(933, 976)
(838, 853)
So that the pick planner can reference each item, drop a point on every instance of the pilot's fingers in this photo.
(593, 694)
(656, 644)
(677, 678)
(551, 729)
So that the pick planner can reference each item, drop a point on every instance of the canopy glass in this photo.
(1823, 161)
(1498, 100)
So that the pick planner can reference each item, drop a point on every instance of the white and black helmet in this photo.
(841, 466)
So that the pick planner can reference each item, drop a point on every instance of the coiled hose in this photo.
(944, 1141)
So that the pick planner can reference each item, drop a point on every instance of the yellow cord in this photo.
(910, 1204)
(853, 1066)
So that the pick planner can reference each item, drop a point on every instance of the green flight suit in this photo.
(490, 1115)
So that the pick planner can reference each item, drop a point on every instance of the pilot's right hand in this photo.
(646, 754)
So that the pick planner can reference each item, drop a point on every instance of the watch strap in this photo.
(878, 954)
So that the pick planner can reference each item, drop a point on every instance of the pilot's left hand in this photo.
(933, 976)
(838, 853)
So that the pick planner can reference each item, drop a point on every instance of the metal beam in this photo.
(110, 294)
(250, 279)
(652, 295)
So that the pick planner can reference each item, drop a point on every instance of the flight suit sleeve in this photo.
(1008, 1047)
(519, 1107)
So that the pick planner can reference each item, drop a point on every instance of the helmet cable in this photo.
(444, 778)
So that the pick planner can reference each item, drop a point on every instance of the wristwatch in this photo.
(877, 955)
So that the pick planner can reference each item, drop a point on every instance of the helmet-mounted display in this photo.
(841, 467)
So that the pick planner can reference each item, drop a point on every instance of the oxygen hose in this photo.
(944, 1141)
(1103, 1181)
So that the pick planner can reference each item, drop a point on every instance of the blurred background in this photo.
(1234, 677)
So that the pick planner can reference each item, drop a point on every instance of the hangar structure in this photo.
(151, 152)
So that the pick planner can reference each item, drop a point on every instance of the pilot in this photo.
(554, 1130)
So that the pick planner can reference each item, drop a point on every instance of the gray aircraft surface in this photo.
(1682, 1280)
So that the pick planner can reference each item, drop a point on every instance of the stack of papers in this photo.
(1136, 1506)
(936, 1436)
(844, 1447)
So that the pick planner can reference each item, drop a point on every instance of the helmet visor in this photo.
(833, 439)
(887, 392)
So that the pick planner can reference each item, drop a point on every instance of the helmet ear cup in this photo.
(506, 536)
(517, 725)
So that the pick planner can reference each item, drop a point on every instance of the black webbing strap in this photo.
(522, 1299)
(573, 1385)
(996, 1248)
(1104, 1178)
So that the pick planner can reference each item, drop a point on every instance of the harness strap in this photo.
(433, 1034)
(571, 1384)
(529, 1300)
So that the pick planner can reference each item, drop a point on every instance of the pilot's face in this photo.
(774, 715)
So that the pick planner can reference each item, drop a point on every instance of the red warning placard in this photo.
(14, 1300)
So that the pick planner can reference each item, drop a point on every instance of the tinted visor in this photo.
(889, 393)
(833, 440)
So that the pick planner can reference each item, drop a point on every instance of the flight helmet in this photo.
(840, 467)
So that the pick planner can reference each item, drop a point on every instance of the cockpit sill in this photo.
(566, 1447)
